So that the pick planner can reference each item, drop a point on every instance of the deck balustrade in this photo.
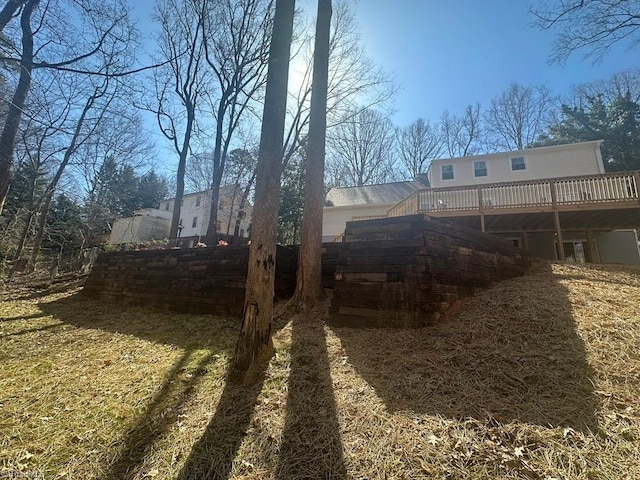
(546, 195)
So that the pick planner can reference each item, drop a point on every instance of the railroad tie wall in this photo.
(203, 280)
(408, 271)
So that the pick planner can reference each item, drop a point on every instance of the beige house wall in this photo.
(335, 219)
(544, 162)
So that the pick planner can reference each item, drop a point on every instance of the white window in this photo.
(518, 163)
(479, 169)
(447, 172)
(194, 222)
(198, 201)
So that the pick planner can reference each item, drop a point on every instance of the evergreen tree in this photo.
(617, 122)
(65, 225)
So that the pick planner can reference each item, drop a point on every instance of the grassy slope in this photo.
(536, 378)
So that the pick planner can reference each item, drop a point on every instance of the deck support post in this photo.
(525, 240)
(556, 218)
(593, 250)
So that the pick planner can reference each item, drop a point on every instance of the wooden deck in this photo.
(593, 192)
(588, 203)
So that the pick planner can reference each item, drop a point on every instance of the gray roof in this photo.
(385, 193)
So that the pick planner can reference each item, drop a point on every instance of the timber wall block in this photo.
(203, 280)
(408, 271)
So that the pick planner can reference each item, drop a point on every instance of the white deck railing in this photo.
(593, 189)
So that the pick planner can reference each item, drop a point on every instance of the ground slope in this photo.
(538, 377)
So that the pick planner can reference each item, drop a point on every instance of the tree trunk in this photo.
(243, 202)
(255, 346)
(182, 164)
(309, 278)
(9, 11)
(218, 170)
(12, 122)
(42, 223)
(212, 232)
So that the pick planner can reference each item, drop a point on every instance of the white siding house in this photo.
(529, 164)
(555, 201)
(194, 218)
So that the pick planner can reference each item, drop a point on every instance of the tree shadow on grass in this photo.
(202, 337)
(311, 445)
(213, 454)
(513, 354)
(159, 415)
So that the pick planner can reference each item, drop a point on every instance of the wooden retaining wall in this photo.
(408, 271)
(203, 280)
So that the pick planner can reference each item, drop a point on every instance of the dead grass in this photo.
(538, 378)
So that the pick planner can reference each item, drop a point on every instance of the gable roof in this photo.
(385, 193)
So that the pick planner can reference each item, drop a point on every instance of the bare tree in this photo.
(236, 50)
(593, 26)
(12, 121)
(180, 85)
(255, 345)
(362, 149)
(418, 144)
(309, 278)
(82, 32)
(355, 82)
(461, 134)
(518, 116)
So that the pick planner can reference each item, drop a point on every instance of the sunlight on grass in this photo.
(537, 378)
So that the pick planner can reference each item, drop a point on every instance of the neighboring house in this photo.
(557, 202)
(146, 225)
(194, 217)
(360, 203)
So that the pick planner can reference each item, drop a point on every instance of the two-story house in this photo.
(154, 224)
(557, 201)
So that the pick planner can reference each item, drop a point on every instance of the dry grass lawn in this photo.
(537, 378)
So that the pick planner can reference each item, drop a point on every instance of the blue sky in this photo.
(447, 54)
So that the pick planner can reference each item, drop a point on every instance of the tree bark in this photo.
(12, 122)
(255, 346)
(309, 279)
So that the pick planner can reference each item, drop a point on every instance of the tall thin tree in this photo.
(309, 279)
(255, 345)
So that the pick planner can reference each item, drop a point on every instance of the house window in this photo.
(166, 206)
(447, 172)
(479, 169)
(221, 204)
(198, 201)
(182, 202)
(518, 163)
(194, 223)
